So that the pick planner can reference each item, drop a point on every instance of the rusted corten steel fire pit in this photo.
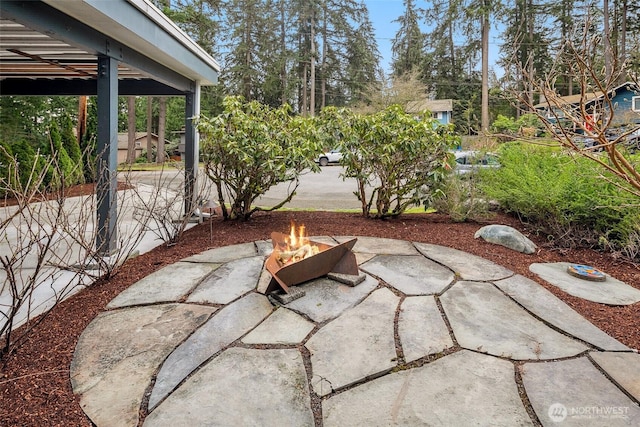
(322, 259)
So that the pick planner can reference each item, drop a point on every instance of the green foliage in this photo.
(29, 164)
(249, 148)
(401, 157)
(460, 198)
(568, 198)
(72, 147)
(62, 171)
(505, 125)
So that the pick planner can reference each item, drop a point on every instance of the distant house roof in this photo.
(123, 139)
(433, 105)
(575, 99)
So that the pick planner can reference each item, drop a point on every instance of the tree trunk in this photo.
(82, 117)
(283, 48)
(323, 68)
(149, 129)
(608, 66)
(484, 122)
(312, 72)
(131, 125)
(162, 122)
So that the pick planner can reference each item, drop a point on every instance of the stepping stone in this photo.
(327, 299)
(283, 326)
(118, 353)
(228, 324)
(168, 284)
(225, 253)
(574, 393)
(229, 282)
(421, 328)
(356, 345)
(612, 291)
(461, 389)
(553, 310)
(410, 274)
(485, 320)
(241, 387)
(377, 245)
(465, 265)
(624, 368)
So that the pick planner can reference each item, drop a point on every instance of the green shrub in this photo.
(249, 148)
(396, 158)
(505, 125)
(72, 147)
(568, 198)
(460, 198)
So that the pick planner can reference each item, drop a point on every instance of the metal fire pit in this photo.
(330, 259)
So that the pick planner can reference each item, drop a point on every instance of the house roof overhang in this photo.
(51, 47)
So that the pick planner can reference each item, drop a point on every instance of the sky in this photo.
(382, 13)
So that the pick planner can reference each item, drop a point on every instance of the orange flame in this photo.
(297, 237)
(297, 246)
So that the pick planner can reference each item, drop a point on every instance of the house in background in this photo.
(441, 109)
(625, 101)
(140, 144)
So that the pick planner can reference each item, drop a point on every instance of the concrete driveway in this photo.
(325, 190)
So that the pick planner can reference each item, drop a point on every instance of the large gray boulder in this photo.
(506, 236)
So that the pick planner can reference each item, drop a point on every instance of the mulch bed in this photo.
(34, 383)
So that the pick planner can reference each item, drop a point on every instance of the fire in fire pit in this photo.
(297, 259)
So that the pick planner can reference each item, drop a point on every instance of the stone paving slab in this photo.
(229, 281)
(356, 345)
(326, 299)
(226, 373)
(375, 245)
(168, 284)
(265, 247)
(118, 353)
(283, 326)
(225, 253)
(624, 368)
(461, 389)
(465, 265)
(241, 387)
(228, 324)
(552, 309)
(612, 291)
(574, 393)
(421, 328)
(410, 274)
(484, 319)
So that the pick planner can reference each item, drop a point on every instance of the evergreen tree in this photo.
(409, 42)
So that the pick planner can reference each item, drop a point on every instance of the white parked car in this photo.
(469, 161)
(333, 156)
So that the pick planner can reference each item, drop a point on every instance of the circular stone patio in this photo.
(432, 336)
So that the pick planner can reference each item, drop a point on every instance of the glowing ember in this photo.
(296, 247)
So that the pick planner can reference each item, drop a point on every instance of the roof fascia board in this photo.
(146, 29)
(58, 25)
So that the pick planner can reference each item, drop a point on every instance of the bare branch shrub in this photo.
(592, 118)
